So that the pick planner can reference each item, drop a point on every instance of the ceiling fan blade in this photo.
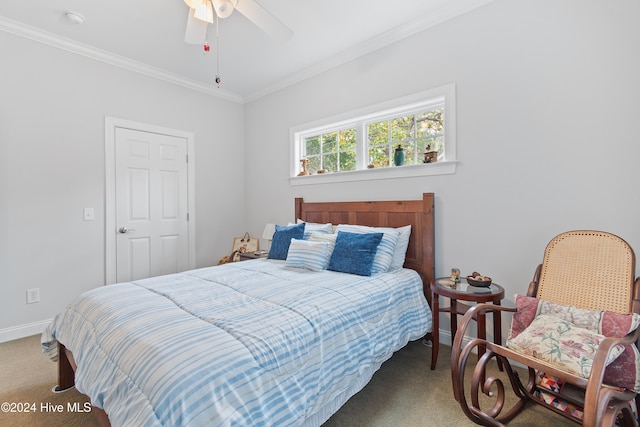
(196, 32)
(264, 20)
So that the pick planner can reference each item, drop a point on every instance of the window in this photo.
(331, 151)
(360, 145)
(416, 133)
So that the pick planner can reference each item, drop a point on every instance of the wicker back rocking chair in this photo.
(584, 285)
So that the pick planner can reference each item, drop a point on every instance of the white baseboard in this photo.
(445, 338)
(22, 331)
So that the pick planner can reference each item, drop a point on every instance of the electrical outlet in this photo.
(33, 295)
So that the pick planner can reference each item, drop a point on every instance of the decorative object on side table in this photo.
(245, 243)
(398, 156)
(252, 255)
(477, 279)
(455, 275)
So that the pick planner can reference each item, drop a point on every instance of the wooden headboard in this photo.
(392, 213)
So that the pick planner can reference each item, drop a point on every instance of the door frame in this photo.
(110, 125)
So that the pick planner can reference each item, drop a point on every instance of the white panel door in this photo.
(152, 227)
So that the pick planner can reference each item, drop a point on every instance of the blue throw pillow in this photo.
(384, 255)
(282, 239)
(354, 252)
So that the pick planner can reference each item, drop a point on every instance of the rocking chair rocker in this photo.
(583, 306)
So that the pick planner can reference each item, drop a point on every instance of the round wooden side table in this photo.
(462, 291)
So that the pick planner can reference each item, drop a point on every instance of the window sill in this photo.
(409, 171)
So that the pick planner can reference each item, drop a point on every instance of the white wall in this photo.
(547, 113)
(547, 97)
(52, 165)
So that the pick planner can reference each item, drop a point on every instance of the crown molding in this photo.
(449, 11)
(31, 33)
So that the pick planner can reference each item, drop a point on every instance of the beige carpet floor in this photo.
(403, 393)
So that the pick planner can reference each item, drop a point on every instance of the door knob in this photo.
(124, 230)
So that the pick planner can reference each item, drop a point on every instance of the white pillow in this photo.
(384, 254)
(309, 255)
(311, 227)
(329, 239)
(400, 253)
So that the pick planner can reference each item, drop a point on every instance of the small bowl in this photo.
(482, 283)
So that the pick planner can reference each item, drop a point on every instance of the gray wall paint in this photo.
(547, 112)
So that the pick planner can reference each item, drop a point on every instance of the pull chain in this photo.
(217, 54)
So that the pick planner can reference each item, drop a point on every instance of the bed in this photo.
(208, 347)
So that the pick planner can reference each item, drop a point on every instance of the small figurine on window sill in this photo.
(398, 156)
(305, 167)
(430, 156)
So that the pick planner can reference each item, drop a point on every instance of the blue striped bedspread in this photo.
(253, 343)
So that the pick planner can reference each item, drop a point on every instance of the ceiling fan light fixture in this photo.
(224, 8)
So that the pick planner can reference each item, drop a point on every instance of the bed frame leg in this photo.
(66, 375)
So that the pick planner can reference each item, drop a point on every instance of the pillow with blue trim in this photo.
(314, 227)
(309, 255)
(282, 239)
(329, 239)
(354, 253)
(384, 255)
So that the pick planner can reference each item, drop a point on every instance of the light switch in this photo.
(89, 214)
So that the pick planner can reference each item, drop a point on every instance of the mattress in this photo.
(250, 343)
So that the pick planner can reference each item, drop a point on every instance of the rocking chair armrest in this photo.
(605, 347)
(470, 315)
(594, 403)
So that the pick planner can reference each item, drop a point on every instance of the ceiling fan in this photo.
(202, 13)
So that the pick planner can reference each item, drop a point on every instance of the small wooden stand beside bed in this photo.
(419, 257)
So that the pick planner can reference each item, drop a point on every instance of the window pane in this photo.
(348, 161)
(312, 145)
(314, 164)
(348, 139)
(402, 128)
(437, 144)
(410, 154)
(330, 162)
(378, 132)
(430, 123)
(422, 148)
(379, 156)
(329, 142)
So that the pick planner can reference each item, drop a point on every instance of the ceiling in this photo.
(148, 36)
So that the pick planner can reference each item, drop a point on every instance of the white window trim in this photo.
(383, 109)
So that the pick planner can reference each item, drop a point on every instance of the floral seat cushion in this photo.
(562, 344)
(566, 336)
